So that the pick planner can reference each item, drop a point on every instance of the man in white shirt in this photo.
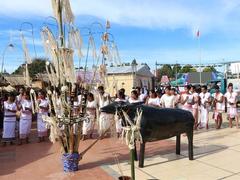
(219, 107)
(168, 100)
(205, 99)
(231, 99)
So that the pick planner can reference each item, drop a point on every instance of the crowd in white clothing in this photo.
(199, 103)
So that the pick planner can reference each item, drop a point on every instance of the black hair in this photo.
(135, 93)
(43, 92)
(204, 87)
(168, 88)
(121, 94)
(123, 90)
(27, 93)
(11, 94)
(216, 87)
(230, 85)
(91, 95)
(188, 86)
(173, 89)
(101, 88)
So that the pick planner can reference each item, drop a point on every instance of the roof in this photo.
(15, 80)
(142, 69)
(3, 81)
(41, 77)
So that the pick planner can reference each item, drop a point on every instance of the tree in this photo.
(209, 69)
(37, 66)
(176, 69)
(165, 70)
(188, 68)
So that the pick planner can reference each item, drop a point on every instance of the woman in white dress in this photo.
(153, 100)
(43, 105)
(231, 99)
(134, 97)
(195, 105)
(219, 107)
(9, 121)
(120, 98)
(187, 99)
(25, 118)
(105, 119)
(88, 126)
(205, 99)
(177, 97)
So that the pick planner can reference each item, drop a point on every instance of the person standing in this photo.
(219, 106)
(19, 100)
(88, 126)
(231, 99)
(187, 99)
(167, 100)
(104, 118)
(142, 94)
(118, 120)
(134, 97)
(153, 100)
(43, 105)
(195, 105)
(20, 97)
(25, 118)
(177, 97)
(205, 99)
(9, 121)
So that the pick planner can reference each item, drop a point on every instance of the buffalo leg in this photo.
(135, 151)
(141, 155)
(178, 144)
(190, 144)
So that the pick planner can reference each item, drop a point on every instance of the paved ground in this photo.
(42, 160)
(217, 154)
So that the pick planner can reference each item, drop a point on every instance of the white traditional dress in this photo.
(187, 105)
(41, 125)
(154, 102)
(19, 100)
(118, 120)
(167, 101)
(9, 122)
(131, 100)
(25, 119)
(105, 119)
(91, 114)
(177, 100)
(195, 105)
(142, 97)
(232, 104)
(220, 107)
(204, 108)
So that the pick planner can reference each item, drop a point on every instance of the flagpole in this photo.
(200, 57)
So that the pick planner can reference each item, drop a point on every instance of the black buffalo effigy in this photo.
(158, 124)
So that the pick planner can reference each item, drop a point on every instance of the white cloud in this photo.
(171, 14)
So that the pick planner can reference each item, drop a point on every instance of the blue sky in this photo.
(148, 30)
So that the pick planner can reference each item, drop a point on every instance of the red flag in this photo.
(198, 33)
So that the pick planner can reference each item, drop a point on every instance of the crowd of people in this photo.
(195, 99)
(18, 114)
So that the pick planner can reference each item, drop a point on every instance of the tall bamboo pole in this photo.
(60, 24)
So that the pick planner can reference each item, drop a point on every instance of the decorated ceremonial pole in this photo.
(131, 133)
